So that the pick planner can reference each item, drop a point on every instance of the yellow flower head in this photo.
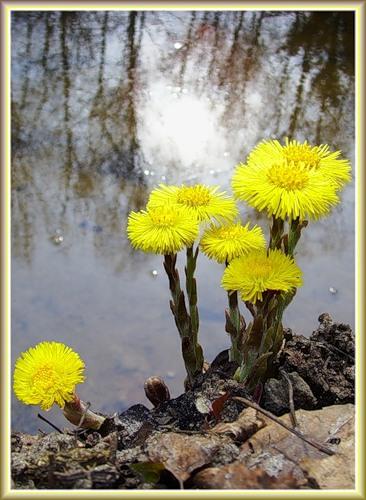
(304, 155)
(47, 374)
(284, 189)
(204, 202)
(256, 272)
(224, 243)
(162, 229)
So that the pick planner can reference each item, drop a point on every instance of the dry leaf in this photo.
(277, 451)
(218, 405)
(247, 424)
(181, 454)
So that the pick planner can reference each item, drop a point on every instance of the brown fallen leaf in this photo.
(276, 451)
(247, 424)
(218, 405)
(238, 476)
(181, 454)
(338, 470)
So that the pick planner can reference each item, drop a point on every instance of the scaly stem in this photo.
(294, 233)
(191, 350)
(276, 233)
(235, 327)
(191, 287)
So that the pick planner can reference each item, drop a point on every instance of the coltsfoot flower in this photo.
(162, 229)
(320, 158)
(46, 374)
(204, 202)
(224, 243)
(285, 190)
(251, 275)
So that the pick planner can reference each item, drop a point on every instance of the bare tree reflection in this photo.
(70, 154)
(80, 80)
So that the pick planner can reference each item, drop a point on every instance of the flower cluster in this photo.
(292, 182)
(173, 214)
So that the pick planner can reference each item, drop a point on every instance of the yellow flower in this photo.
(46, 374)
(224, 243)
(202, 201)
(304, 155)
(162, 229)
(256, 272)
(284, 189)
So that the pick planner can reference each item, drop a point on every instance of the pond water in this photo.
(106, 105)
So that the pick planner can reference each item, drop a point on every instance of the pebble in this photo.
(203, 405)
(178, 45)
(332, 290)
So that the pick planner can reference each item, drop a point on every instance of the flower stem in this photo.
(294, 234)
(187, 328)
(77, 412)
(191, 287)
(276, 233)
(235, 327)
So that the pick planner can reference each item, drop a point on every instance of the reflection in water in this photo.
(106, 105)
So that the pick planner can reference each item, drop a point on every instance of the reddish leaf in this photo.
(218, 405)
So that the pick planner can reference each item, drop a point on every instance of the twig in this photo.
(290, 398)
(297, 433)
(49, 423)
(281, 349)
(325, 366)
(87, 406)
(335, 350)
(339, 428)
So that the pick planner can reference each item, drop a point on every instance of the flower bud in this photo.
(156, 390)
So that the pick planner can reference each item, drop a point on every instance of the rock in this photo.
(325, 361)
(277, 451)
(276, 395)
(183, 412)
(55, 461)
(130, 425)
(238, 476)
(337, 335)
(104, 476)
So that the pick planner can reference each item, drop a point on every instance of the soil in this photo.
(174, 445)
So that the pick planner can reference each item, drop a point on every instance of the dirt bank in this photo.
(206, 438)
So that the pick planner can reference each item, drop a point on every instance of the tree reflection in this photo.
(80, 88)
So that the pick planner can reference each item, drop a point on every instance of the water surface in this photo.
(106, 105)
